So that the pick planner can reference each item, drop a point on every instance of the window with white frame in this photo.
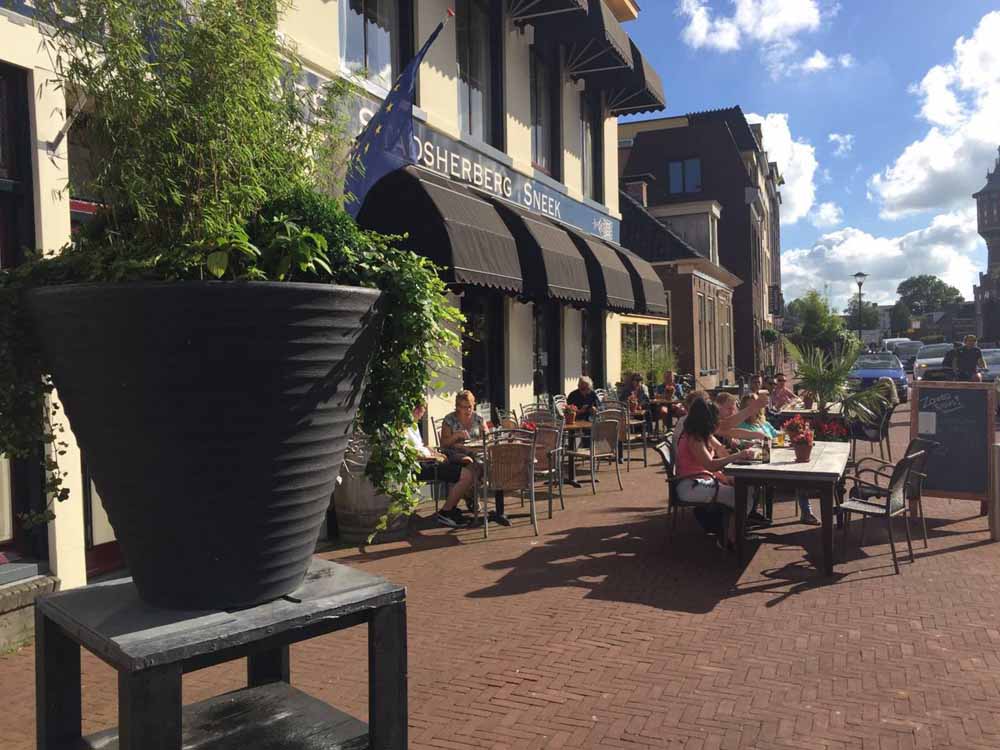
(702, 335)
(478, 54)
(371, 39)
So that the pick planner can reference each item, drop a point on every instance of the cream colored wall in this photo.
(517, 95)
(519, 352)
(572, 138)
(441, 399)
(102, 533)
(613, 347)
(6, 498)
(611, 165)
(21, 45)
(572, 347)
(312, 26)
(439, 72)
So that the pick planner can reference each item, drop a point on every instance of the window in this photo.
(482, 346)
(479, 65)
(545, 146)
(586, 333)
(685, 176)
(6, 123)
(713, 351)
(644, 349)
(547, 323)
(371, 39)
(591, 148)
(702, 336)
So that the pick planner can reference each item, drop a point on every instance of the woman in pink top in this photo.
(700, 459)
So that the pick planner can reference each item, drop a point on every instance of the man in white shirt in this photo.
(435, 466)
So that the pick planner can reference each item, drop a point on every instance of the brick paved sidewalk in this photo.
(605, 633)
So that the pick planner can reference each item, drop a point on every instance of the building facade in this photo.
(709, 171)
(515, 192)
(987, 293)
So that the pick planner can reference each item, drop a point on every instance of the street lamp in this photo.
(860, 278)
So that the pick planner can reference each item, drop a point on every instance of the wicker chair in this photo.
(508, 466)
(539, 414)
(674, 503)
(548, 460)
(871, 499)
(508, 419)
(604, 432)
(601, 394)
(627, 437)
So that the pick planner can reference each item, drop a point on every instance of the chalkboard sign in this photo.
(959, 416)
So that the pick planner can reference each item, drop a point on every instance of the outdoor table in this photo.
(821, 475)
(572, 432)
(151, 648)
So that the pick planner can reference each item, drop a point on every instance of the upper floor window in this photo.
(6, 126)
(591, 148)
(685, 176)
(479, 68)
(371, 39)
(545, 142)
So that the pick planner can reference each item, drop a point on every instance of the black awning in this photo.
(632, 91)
(528, 11)
(594, 44)
(649, 293)
(447, 223)
(610, 281)
(551, 264)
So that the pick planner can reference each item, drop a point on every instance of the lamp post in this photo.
(860, 278)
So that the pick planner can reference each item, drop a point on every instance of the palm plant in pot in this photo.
(217, 331)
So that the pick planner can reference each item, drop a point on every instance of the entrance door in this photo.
(547, 348)
(483, 347)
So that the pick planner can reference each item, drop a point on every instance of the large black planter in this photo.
(214, 417)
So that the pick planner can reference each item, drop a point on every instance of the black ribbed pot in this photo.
(214, 417)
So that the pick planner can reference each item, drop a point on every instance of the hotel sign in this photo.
(463, 163)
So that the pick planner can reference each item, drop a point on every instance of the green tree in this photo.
(925, 294)
(899, 318)
(869, 315)
(816, 324)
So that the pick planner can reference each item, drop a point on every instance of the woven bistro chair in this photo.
(548, 460)
(539, 414)
(674, 503)
(872, 499)
(559, 404)
(604, 432)
(508, 466)
(508, 419)
(627, 425)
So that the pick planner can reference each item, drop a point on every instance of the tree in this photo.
(925, 294)
(899, 318)
(817, 324)
(869, 315)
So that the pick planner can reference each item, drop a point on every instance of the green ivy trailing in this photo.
(211, 162)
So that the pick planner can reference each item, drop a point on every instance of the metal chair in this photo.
(559, 404)
(508, 466)
(873, 434)
(921, 449)
(627, 424)
(485, 410)
(507, 419)
(539, 414)
(674, 503)
(601, 394)
(604, 432)
(548, 459)
(871, 499)
(436, 429)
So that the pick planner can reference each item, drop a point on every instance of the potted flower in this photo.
(569, 413)
(800, 435)
(219, 329)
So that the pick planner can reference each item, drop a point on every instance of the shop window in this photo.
(374, 38)
(482, 346)
(645, 349)
(586, 345)
(478, 30)
(545, 90)
(685, 176)
(546, 358)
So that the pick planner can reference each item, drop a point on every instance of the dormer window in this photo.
(684, 176)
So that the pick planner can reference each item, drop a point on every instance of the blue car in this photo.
(870, 367)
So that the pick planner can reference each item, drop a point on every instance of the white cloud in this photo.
(961, 104)
(796, 159)
(826, 215)
(843, 143)
(945, 248)
(772, 25)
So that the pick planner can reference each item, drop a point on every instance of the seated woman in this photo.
(635, 393)
(700, 459)
(461, 426)
(435, 466)
(757, 422)
(672, 390)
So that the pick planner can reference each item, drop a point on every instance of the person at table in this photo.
(781, 394)
(701, 458)
(671, 390)
(756, 383)
(729, 417)
(889, 389)
(757, 422)
(435, 466)
(584, 398)
(969, 360)
(635, 393)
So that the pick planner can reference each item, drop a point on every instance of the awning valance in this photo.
(594, 44)
(447, 223)
(610, 280)
(635, 91)
(529, 11)
(551, 264)
(648, 289)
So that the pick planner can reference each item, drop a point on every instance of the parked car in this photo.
(928, 362)
(907, 353)
(992, 374)
(889, 345)
(870, 367)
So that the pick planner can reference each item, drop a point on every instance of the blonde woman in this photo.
(890, 387)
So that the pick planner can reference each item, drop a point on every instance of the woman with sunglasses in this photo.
(781, 394)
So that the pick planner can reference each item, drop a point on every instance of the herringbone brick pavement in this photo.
(605, 633)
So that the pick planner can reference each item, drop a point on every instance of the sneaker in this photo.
(758, 519)
(444, 518)
(457, 516)
(810, 520)
(502, 520)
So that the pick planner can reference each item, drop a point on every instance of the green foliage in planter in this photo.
(769, 336)
(211, 160)
(648, 363)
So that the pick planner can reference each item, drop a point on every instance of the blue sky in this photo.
(884, 116)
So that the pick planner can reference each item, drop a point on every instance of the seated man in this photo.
(435, 466)
(584, 398)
